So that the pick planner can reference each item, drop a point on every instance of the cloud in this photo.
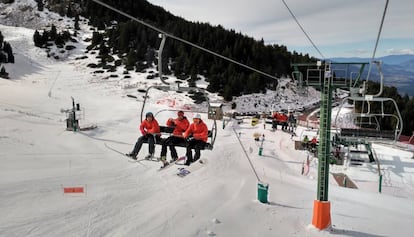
(399, 51)
(328, 23)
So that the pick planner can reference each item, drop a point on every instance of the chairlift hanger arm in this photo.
(164, 38)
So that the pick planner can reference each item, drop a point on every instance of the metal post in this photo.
(74, 115)
(261, 146)
(380, 184)
(322, 207)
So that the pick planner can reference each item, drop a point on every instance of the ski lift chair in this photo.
(165, 130)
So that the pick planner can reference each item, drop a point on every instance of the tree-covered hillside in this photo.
(136, 45)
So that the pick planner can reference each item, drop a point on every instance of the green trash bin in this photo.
(262, 190)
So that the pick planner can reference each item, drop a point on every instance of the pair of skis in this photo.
(172, 163)
(123, 154)
(130, 159)
(182, 171)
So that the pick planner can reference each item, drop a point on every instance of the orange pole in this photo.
(321, 214)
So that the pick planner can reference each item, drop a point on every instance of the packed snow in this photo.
(40, 158)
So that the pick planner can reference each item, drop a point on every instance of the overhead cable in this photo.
(303, 30)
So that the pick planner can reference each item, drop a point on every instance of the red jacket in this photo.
(283, 118)
(280, 117)
(149, 127)
(199, 131)
(180, 126)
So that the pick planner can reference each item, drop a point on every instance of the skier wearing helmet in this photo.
(180, 125)
(196, 135)
(150, 133)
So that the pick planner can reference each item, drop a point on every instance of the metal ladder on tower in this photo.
(324, 133)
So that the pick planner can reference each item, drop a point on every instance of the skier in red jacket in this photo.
(196, 135)
(180, 125)
(150, 132)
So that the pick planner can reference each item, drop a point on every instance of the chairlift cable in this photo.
(247, 155)
(303, 30)
(183, 40)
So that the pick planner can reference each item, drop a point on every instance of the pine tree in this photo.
(97, 38)
(9, 51)
(3, 72)
(131, 58)
(40, 5)
(69, 12)
(37, 39)
(3, 57)
(76, 26)
(103, 50)
(228, 93)
(53, 33)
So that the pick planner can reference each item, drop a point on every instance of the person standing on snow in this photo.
(305, 142)
(196, 135)
(180, 125)
(314, 143)
(150, 133)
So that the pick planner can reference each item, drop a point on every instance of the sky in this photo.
(338, 28)
(39, 158)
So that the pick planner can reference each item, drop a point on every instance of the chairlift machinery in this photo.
(342, 77)
(323, 76)
(327, 79)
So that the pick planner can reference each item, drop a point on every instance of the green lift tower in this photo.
(320, 75)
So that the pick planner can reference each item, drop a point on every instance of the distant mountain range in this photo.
(398, 71)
